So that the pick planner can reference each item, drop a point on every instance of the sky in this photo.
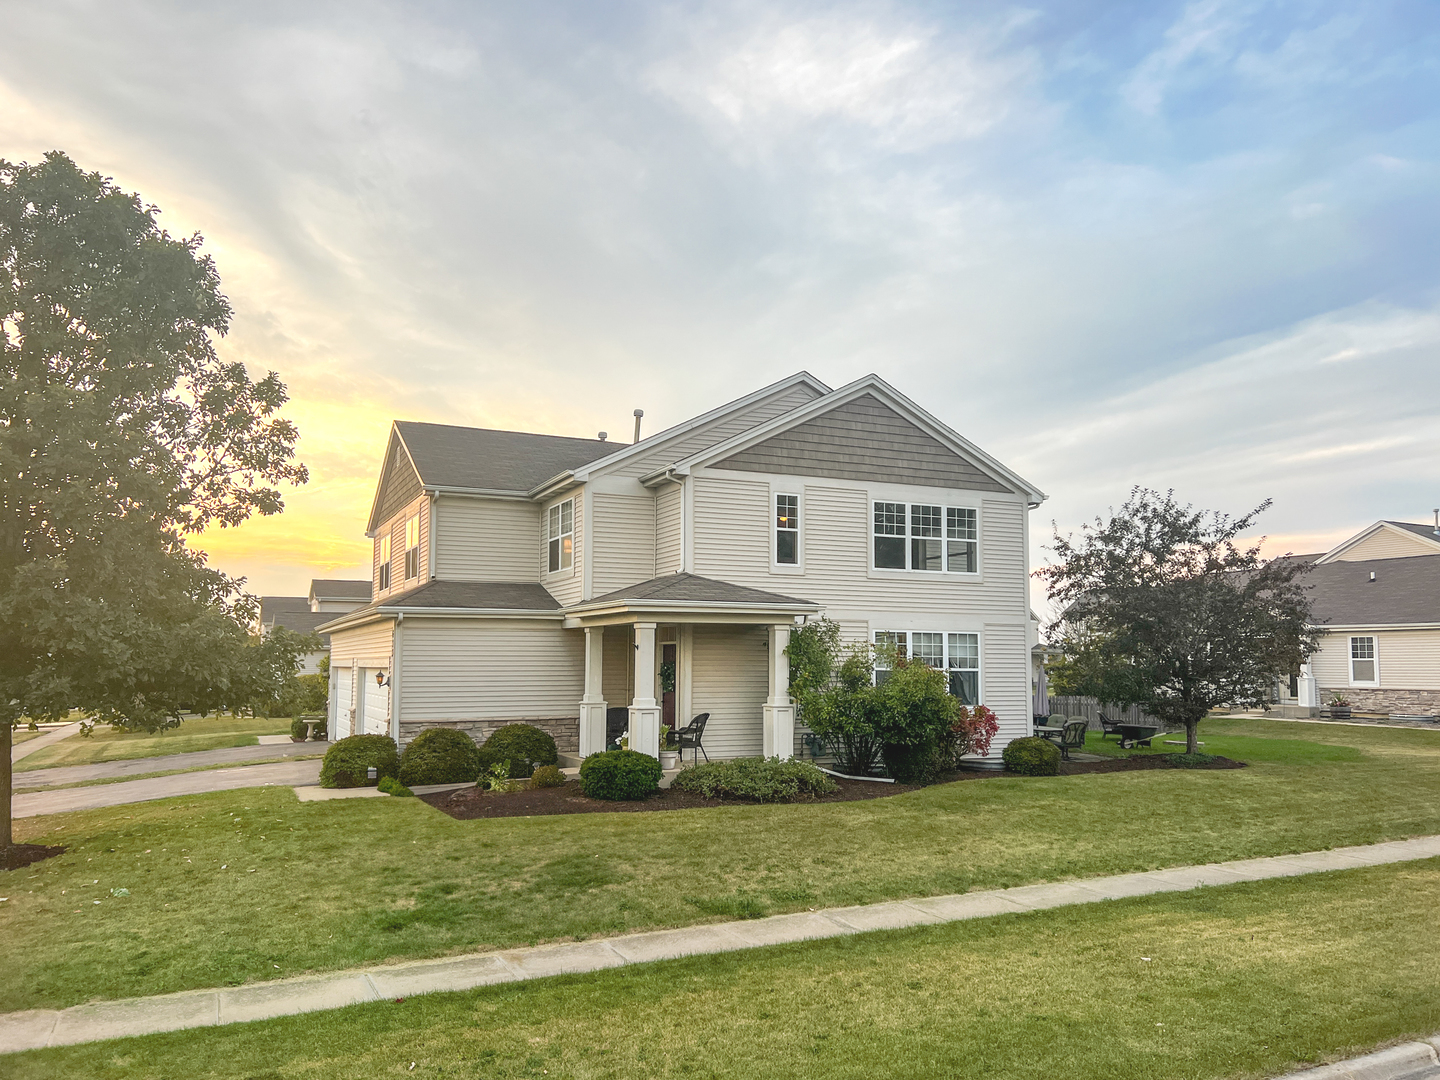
(1180, 245)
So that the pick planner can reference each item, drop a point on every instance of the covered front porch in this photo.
(678, 646)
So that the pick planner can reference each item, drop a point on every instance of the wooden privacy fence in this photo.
(1090, 709)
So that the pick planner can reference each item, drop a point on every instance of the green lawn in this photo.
(109, 744)
(337, 884)
(1221, 982)
(20, 735)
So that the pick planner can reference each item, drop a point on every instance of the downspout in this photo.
(395, 645)
(434, 518)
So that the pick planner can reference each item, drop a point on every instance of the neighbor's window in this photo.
(961, 540)
(927, 548)
(890, 535)
(412, 547)
(964, 667)
(1362, 660)
(787, 529)
(560, 534)
(384, 559)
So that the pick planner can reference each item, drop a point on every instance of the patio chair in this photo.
(1108, 726)
(1073, 737)
(617, 722)
(689, 737)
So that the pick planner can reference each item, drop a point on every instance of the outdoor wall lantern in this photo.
(379, 678)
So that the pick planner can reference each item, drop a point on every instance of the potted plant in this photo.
(669, 748)
(1340, 707)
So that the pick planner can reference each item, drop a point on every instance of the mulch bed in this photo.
(17, 855)
(468, 803)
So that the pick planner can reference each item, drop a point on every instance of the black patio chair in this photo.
(1108, 727)
(1073, 737)
(689, 737)
(617, 722)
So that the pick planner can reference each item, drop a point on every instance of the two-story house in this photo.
(535, 578)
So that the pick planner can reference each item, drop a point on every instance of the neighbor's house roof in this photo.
(270, 606)
(302, 622)
(1427, 531)
(1405, 592)
(460, 598)
(339, 589)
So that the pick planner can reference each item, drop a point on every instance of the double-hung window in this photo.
(787, 530)
(412, 547)
(1362, 661)
(890, 645)
(560, 536)
(958, 655)
(963, 667)
(925, 537)
(382, 581)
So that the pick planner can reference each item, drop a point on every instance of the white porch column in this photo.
(592, 705)
(778, 739)
(1309, 695)
(645, 710)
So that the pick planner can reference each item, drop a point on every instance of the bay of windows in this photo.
(560, 536)
(958, 655)
(926, 537)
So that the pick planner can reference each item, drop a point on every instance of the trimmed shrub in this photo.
(1032, 756)
(1190, 761)
(390, 786)
(620, 774)
(911, 764)
(547, 776)
(523, 747)
(297, 729)
(440, 756)
(756, 779)
(348, 761)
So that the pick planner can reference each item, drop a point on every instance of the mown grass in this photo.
(20, 735)
(1221, 982)
(343, 883)
(320, 753)
(110, 744)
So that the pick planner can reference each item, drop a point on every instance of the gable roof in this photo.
(303, 622)
(339, 589)
(454, 597)
(1425, 534)
(1406, 591)
(473, 461)
(692, 589)
(938, 436)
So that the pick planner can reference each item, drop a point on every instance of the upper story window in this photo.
(1362, 661)
(560, 535)
(787, 530)
(383, 581)
(412, 547)
(941, 538)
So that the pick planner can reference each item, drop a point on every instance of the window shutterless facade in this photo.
(925, 537)
(412, 547)
(787, 530)
(958, 655)
(560, 536)
(383, 580)
(1363, 670)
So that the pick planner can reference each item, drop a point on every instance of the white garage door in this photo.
(340, 702)
(377, 704)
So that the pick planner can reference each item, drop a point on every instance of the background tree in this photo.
(1163, 610)
(121, 432)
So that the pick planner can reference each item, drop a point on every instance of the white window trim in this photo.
(406, 567)
(776, 566)
(979, 637)
(384, 571)
(1350, 640)
(909, 572)
(564, 571)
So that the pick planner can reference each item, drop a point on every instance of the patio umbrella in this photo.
(1042, 692)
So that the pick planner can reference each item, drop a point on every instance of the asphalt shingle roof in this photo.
(340, 589)
(689, 588)
(489, 460)
(304, 622)
(1427, 531)
(270, 606)
(1404, 591)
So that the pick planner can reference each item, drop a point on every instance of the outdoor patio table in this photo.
(1048, 731)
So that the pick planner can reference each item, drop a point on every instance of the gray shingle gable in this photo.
(1405, 591)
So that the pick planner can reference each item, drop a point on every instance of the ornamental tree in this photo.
(121, 432)
(1163, 610)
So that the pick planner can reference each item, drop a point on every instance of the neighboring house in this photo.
(542, 579)
(1376, 596)
(304, 614)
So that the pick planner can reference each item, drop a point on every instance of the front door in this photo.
(667, 685)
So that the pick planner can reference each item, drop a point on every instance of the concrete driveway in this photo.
(195, 759)
(281, 773)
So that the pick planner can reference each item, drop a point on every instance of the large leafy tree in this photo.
(121, 432)
(1163, 609)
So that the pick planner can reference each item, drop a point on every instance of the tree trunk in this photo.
(1192, 733)
(7, 836)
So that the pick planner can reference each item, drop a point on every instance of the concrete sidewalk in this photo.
(50, 738)
(283, 773)
(194, 759)
(38, 1028)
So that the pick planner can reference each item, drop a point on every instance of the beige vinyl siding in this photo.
(567, 586)
(623, 534)
(1408, 659)
(618, 671)
(732, 543)
(669, 536)
(395, 526)
(485, 540)
(373, 641)
(472, 669)
(728, 680)
(1005, 680)
(719, 430)
(1387, 543)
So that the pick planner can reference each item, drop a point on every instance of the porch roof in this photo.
(461, 598)
(688, 598)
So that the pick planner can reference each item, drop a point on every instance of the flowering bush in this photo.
(971, 731)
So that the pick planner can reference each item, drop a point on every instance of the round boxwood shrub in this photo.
(348, 761)
(440, 756)
(547, 776)
(298, 731)
(620, 774)
(1032, 757)
(523, 746)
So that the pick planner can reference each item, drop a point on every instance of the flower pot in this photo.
(669, 759)
(1340, 712)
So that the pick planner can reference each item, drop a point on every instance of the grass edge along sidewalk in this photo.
(42, 1028)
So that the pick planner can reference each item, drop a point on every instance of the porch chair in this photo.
(1108, 726)
(689, 737)
(1073, 738)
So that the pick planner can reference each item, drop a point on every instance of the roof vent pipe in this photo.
(1372, 575)
(1437, 522)
(638, 414)
(604, 435)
